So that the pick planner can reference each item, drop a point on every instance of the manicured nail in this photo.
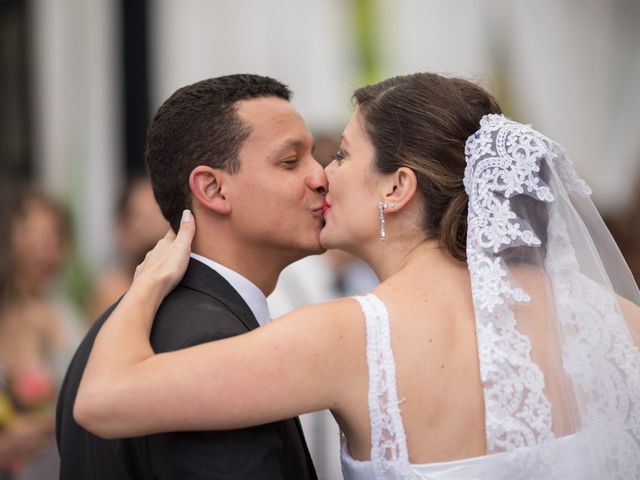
(186, 216)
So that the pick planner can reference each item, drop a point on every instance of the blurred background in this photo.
(80, 79)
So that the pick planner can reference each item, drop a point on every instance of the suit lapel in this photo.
(204, 279)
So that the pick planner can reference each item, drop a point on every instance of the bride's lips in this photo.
(326, 207)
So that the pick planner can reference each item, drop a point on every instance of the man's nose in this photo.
(328, 170)
(317, 180)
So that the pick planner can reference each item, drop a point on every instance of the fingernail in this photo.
(186, 216)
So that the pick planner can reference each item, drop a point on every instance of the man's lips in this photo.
(318, 212)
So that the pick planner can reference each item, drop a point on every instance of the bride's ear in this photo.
(206, 185)
(400, 188)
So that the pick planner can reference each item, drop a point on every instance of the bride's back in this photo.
(434, 346)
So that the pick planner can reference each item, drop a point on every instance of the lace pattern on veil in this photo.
(599, 357)
(503, 158)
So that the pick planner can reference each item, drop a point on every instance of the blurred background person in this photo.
(38, 330)
(139, 226)
(26, 438)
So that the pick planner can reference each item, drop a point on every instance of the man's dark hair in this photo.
(199, 125)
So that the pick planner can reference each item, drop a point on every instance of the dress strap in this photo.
(388, 438)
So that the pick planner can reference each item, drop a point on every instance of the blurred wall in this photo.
(571, 68)
(307, 44)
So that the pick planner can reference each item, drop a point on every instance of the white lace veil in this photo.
(557, 310)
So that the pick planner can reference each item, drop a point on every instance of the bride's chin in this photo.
(324, 243)
(326, 239)
(331, 242)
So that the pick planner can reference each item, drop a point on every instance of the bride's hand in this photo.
(164, 266)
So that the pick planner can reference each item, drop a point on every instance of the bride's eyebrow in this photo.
(344, 145)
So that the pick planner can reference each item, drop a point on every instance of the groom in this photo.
(236, 152)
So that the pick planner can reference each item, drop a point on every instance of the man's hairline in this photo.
(246, 127)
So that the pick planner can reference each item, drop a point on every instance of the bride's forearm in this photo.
(122, 343)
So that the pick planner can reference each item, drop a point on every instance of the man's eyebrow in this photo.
(295, 143)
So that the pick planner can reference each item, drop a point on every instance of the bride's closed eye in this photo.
(338, 157)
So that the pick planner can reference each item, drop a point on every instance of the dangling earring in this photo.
(381, 208)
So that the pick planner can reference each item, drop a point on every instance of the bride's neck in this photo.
(388, 258)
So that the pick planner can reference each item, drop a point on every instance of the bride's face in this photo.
(351, 209)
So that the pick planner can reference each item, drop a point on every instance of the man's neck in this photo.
(258, 266)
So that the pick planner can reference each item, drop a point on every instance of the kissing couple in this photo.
(502, 340)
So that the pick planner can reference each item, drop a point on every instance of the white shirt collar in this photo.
(249, 292)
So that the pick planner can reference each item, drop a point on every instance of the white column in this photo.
(76, 114)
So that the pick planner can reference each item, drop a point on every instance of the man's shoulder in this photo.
(188, 317)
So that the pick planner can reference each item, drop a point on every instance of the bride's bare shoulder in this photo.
(333, 312)
(332, 330)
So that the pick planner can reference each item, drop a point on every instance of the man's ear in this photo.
(206, 186)
(400, 188)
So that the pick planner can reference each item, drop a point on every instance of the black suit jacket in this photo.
(203, 307)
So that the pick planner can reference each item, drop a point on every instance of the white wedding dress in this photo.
(389, 450)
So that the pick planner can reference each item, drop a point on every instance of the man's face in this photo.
(276, 197)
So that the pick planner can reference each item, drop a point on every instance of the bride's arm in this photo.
(302, 362)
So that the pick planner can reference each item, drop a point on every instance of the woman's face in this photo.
(351, 208)
(38, 243)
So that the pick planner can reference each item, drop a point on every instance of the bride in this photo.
(502, 341)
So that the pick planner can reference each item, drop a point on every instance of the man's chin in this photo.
(317, 249)
(301, 252)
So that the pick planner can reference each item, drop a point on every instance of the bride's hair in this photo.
(422, 121)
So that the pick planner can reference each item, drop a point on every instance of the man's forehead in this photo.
(274, 123)
(253, 109)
